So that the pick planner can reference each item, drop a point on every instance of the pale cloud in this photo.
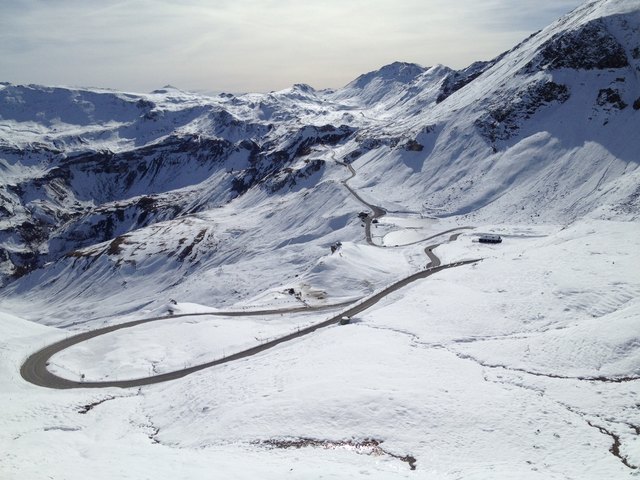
(251, 45)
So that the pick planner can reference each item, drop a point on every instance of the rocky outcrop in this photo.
(589, 47)
(503, 121)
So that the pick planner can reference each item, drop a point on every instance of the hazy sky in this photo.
(251, 45)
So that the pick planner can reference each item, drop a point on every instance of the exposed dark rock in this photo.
(310, 136)
(115, 247)
(243, 180)
(149, 165)
(357, 153)
(289, 177)
(636, 104)
(371, 143)
(32, 233)
(147, 203)
(189, 248)
(90, 406)
(368, 446)
(271, 163)
(503, 121)
(615, 447)
(590, 47)
(610, 97)
(24, 263)
(413, 146)
(460, 78)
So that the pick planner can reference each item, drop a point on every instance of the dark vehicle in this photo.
(345, 320)
(490, 239)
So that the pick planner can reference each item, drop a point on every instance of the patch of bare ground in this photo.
(367, 446)
(615, 447)
(90, 406)
(115, 247)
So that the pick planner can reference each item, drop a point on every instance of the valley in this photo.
(176, 269)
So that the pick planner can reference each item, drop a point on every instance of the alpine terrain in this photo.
(292, 284)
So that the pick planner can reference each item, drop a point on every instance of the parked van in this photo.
(490, 239)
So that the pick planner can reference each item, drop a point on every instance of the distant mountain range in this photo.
(102, 190)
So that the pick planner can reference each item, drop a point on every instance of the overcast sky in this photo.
(251, 45)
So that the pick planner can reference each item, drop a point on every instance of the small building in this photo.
(490, 239)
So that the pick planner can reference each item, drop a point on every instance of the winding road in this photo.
(377, 211)
(35, 371)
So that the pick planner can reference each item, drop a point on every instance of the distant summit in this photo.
(400, 72)
(166, 89)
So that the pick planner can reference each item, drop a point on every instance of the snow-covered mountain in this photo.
(547, 130)
(119, 204)
(509, 136)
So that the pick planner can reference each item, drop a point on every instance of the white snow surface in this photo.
(499, 353)
(523, 365)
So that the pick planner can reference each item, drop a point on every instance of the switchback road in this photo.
(35, 371)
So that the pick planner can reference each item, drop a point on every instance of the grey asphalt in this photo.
(377, 211)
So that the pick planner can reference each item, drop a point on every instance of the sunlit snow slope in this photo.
(118, 206)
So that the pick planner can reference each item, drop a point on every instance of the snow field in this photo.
(445, 385)
(363, 382)
(171, 344)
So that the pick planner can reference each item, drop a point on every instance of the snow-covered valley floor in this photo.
(503, 369)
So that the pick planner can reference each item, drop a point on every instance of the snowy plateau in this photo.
(157, 234)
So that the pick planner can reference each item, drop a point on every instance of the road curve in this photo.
(34, 369)
(377, 211)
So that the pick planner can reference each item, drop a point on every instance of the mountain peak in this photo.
(166, 89)
(303, 87)
(598, 35)
(400, 72)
